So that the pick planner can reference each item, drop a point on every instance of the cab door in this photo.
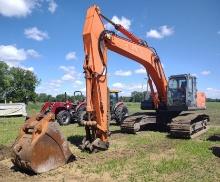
(191, 92)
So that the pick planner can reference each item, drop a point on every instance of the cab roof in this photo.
(115, 91)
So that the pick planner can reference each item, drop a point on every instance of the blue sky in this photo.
(46, 36)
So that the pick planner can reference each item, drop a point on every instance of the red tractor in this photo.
(67, 112)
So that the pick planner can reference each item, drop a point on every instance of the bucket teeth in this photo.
(40, 146)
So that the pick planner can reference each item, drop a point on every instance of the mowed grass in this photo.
(9, 126)
(146, 156)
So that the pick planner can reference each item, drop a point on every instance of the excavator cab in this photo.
(182, 93)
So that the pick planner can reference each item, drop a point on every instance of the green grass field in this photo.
(146, 156)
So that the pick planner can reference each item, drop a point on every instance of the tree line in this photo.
(212, 100)
(43, 97)
(17, 84)
(135, 97)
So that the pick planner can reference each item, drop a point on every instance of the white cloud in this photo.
(136, 87)
(163, 31)
(118, 85)
(64, 68)
(67, 69)
(78, 82)
(125, 22)
(129, 87)
(68, 77)
(194, 74)
(52, 87)
(69, 73)
(206, 72)
(70, 80)
(32, 53)
(141, 70)
(123, 73)
(58, 86)
(71, 56)
(55, 83)
(35, 34)
(30, 69)
(154, 34)
(166, 31)
(14, 56)
(212, 93)
(83, 90)
(27, 68)
(52, 6)
(22, 8)
(11, 53)
(17, 8)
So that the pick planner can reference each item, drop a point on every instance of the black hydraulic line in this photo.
(108, 20)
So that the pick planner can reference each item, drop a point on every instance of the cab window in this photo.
(179, 83)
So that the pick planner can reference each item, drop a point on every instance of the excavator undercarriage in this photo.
(184, 125)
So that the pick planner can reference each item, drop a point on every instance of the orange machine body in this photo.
(201, 100)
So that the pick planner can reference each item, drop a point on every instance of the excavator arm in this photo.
(143, 55)
(97, 41)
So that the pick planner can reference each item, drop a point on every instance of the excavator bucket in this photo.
(40, 146)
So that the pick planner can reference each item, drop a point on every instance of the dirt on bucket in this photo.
(5, 152)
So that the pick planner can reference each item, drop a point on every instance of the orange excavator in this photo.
(40, 145)
(174, 101)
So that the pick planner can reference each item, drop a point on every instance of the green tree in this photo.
(137, 96)
(61, 97)
(125, 99)
(5, 80)
(77, 98)
(23, 85)
(42, 97)
(50, 98)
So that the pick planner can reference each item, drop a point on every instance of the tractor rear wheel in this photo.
(81, 115)
(64, 117)
(120, 113)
